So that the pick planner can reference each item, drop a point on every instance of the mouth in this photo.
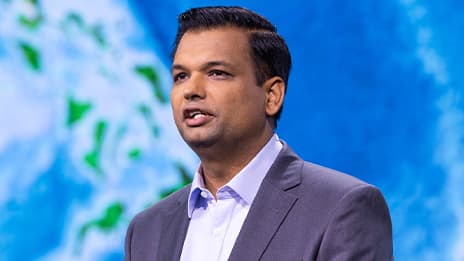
(196, 117)
(194, 114)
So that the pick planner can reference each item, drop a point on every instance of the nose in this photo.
(194, 88)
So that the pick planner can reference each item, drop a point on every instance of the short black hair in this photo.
(268, 49)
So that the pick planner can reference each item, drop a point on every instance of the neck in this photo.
(220, 166)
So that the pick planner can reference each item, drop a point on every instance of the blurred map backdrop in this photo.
(87, 139)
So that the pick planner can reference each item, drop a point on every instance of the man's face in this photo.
(215, 99)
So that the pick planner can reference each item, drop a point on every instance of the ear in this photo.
(275, 92)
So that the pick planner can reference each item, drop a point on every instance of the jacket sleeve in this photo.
(359, 228)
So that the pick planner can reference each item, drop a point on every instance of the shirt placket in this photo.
(221, 216)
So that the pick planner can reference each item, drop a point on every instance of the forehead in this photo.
(217, 43)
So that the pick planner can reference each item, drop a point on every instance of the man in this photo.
(252, 198)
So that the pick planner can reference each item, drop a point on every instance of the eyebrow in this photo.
(203, 67)
(177, 67)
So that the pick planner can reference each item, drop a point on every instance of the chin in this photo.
(199, 139)
(200, 144)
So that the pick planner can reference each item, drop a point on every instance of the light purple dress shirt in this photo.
(215, 224)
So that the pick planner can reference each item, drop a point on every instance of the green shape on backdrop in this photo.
(30, 23)
(96, 32)
(93, 157)
(31, 54)
(149, 73)
(144, 110)
(76, 110)
(76, 19)
(108, 220)
(155, 131)
(100, 132)
(34, 2)
(147, 114)
(135, 153)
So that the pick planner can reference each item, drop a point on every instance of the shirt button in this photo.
(204, 194)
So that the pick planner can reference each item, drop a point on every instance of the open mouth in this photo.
(195, 114)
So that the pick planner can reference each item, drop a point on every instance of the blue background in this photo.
(376, 90)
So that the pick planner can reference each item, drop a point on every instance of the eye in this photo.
(218, 74)
(179, 77)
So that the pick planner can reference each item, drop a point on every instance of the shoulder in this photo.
(332, 187)
(329, 180)
(318, 185)
(356, 218)
(290, 168)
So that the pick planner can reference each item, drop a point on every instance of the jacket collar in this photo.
(270, 207)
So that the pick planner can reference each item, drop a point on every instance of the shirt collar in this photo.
(247, 182)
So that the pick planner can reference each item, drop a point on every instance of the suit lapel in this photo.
(270, 207)
(174, 232)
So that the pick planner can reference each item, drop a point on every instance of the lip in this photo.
(206, 116)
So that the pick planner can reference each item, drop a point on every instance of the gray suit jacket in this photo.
(302, 211)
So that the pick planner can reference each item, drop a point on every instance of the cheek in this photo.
(175, 105)
(254, 104)
(174, 97)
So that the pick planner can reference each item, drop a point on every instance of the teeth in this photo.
(199, 115)
(196, 114)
